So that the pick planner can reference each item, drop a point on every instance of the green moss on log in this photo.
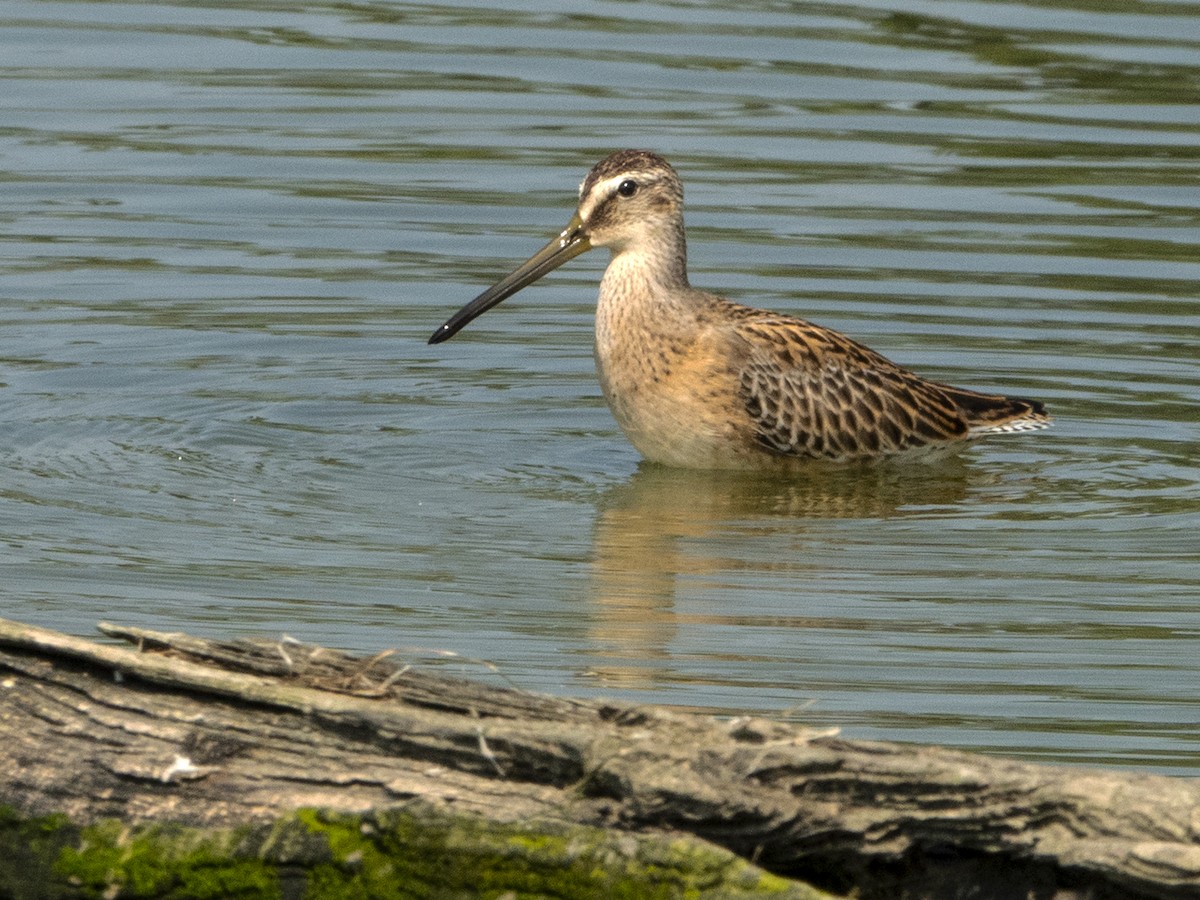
(167, 861)
(415, 851)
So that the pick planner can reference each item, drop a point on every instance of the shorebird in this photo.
(698, 381)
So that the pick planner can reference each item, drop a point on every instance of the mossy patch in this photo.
(415, 851)
(421, 852)
(28, 848)
(167, 861)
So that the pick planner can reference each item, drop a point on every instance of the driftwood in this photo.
(221, 737)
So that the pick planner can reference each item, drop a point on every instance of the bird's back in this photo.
(809, 391)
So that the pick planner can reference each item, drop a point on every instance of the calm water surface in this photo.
(226, 230)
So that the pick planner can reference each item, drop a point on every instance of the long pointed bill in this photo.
(566, 246)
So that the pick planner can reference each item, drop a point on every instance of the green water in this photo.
(227, 229)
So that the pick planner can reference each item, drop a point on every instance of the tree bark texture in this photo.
(223, 735)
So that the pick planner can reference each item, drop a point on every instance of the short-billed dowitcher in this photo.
(696, 380)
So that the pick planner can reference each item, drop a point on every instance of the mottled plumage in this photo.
(696, 380)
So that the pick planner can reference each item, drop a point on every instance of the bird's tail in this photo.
(996, 414)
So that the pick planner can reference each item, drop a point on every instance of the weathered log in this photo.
(229, 739)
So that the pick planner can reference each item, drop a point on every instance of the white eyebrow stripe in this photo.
(602, 191)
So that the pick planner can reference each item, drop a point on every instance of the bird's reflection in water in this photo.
(666, 526)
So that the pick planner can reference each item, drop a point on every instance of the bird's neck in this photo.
(650, 269)
(645, 302)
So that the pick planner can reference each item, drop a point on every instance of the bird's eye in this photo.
(627, 188)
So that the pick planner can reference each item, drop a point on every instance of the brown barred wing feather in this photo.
(811, 392)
